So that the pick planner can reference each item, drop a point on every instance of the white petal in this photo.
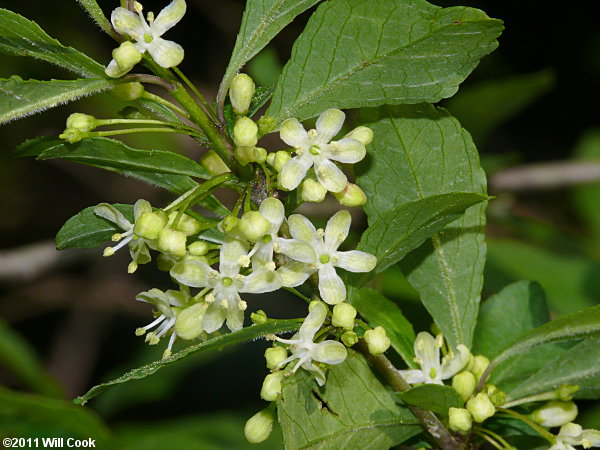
(303, 230)
(312, 323)
(155, 297)
(231, 250)
(316, 371)
(294, 274)
(347, 150)
(261, 281)
(263, 254)
(329, 352)
(297, 250)
(294, 171)
(113, 70)
(235, 319)
(112, 214)
(356, 261)
(272, 209)
(592, 437)
(166, 53)
(427, 352)
(331, 286)
(127, 22)
(168, 17)
(293, 133)
(213, 318)
(329, 124)
(413, 376)
(194, 274)
(330, 175)
(456, 364)
(176, 298)
(337, 230)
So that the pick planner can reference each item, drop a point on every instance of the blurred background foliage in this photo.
(69, 318)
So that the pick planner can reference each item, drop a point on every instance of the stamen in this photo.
(242, 305)
(271, 266)
(132, 267)
(224, 304)
(150, 17)
(240, 277)
(244, 261)
(320, 232)
(108, 251)
(152, 339)
(312, 133)
(209, 298)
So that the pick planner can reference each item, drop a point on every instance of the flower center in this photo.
(148, 38)
(267, 238)
(227, 281)
(315, 150)
(432, 373)
(325, 259)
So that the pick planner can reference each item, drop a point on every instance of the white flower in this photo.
(262, 252)
(147, 34)
(573, 434)
(317, 251)
(316, 148)
(166, 303)
(427, 355)
(225, 285)
(306, 351)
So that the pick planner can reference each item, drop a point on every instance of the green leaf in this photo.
(261, 96)
(377, 310)
(482, 107)
(357, 53)
(237, 337)
(420, 151)
(95, 12)
(573, 326)
(87, 230)
(22, 37)
(352, 410)
(20, 98)
(433, 397)
(579, 365)
(262, 21)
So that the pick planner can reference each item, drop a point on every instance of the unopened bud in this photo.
(128, 92)
(199, 248)
(188, 324)
(555, 414)
(460, 419)
(241, 92)
(245, 132)
(274, 356)
(377, 340)
(477, 365)
(496, 396)
(165, 262)
(229, 224)
(81, 122)
(172, 241)
(566, 391)
(258, 317)
(149, 224)
(72, 135)
(244, 155)
(352, 195)
(464, 383)
(213, 163)
(343, 316)
(349, 338)
(260, 155)
(186, 224)
(126, 56)
(266, 124)
(364, 135)
(481, 407)
(271, 387)
(280, 159)
(258, 428)
(253, 225)
(312, 191)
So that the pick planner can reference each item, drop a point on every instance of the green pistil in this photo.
(148, 38)
(227, 281)
(432, 373)
(324, 259)
(315, 150)
(267, 238)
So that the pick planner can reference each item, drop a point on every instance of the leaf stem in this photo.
(541, 430)
(297, 294)
(165, 102)
(195, 90)
(490, 440)
(200, 189)
(136, 130)
(150, 79)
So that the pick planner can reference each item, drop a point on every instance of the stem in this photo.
(497, 437)
(551, 395)
(150, 79)
(197, 93)
(135, 130)
(297, 293)
(542, 431)
(165, 102)
(200, 189)
(180, 126)
(489, 439)
(428, 420)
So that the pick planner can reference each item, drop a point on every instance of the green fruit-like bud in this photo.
(496, 395)
(555, 414)
(343, 316)
(312, 191)
(126, 56)
(199, 248)
(377, 340)
(477, 365)
(81, 122)
(258, 428)
(72, 135)
(352, 195)
(260, 155)
(274, 356)
(349, 338)
(149, 224)
(186, 224)
(253, 226)
(172, 241)
(258, 317)
(464, 383)
(460, 419)
(271, 387)
(241, 92)
(229, 224)
(128, 92)
(280, 159)
(245, 132)
(188, 324)
(266, 124)
(244, 155)
(481, 407)
(165, 262)
(213, 163)
(363, 135)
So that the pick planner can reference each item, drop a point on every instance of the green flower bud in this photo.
(229, 224)
(258, 317)
(245, 132)
(352, 195)
(280, 159)
(271, 387)
(241, 92)
(128, 92)
(188, 324)
(460, 419)
(213, 163)
(244, 155)
(271, 159)
(274, 356)
(260, 155)
(72, 135)
(555, 414)
(477, 365)
(481, 407)
(189, 257)
(253, 226)
(172, 241)
(349, 338)
(165, 262)
(186, 224)
(312, 191)
(199, 248)
(266, 124)
(363, 135)
(343, 316)
(464, 383)
(149, 224)
(566, 391)
(496, 395)
(81, 122)
(126, 56)
(377, 340)
(258, 428)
